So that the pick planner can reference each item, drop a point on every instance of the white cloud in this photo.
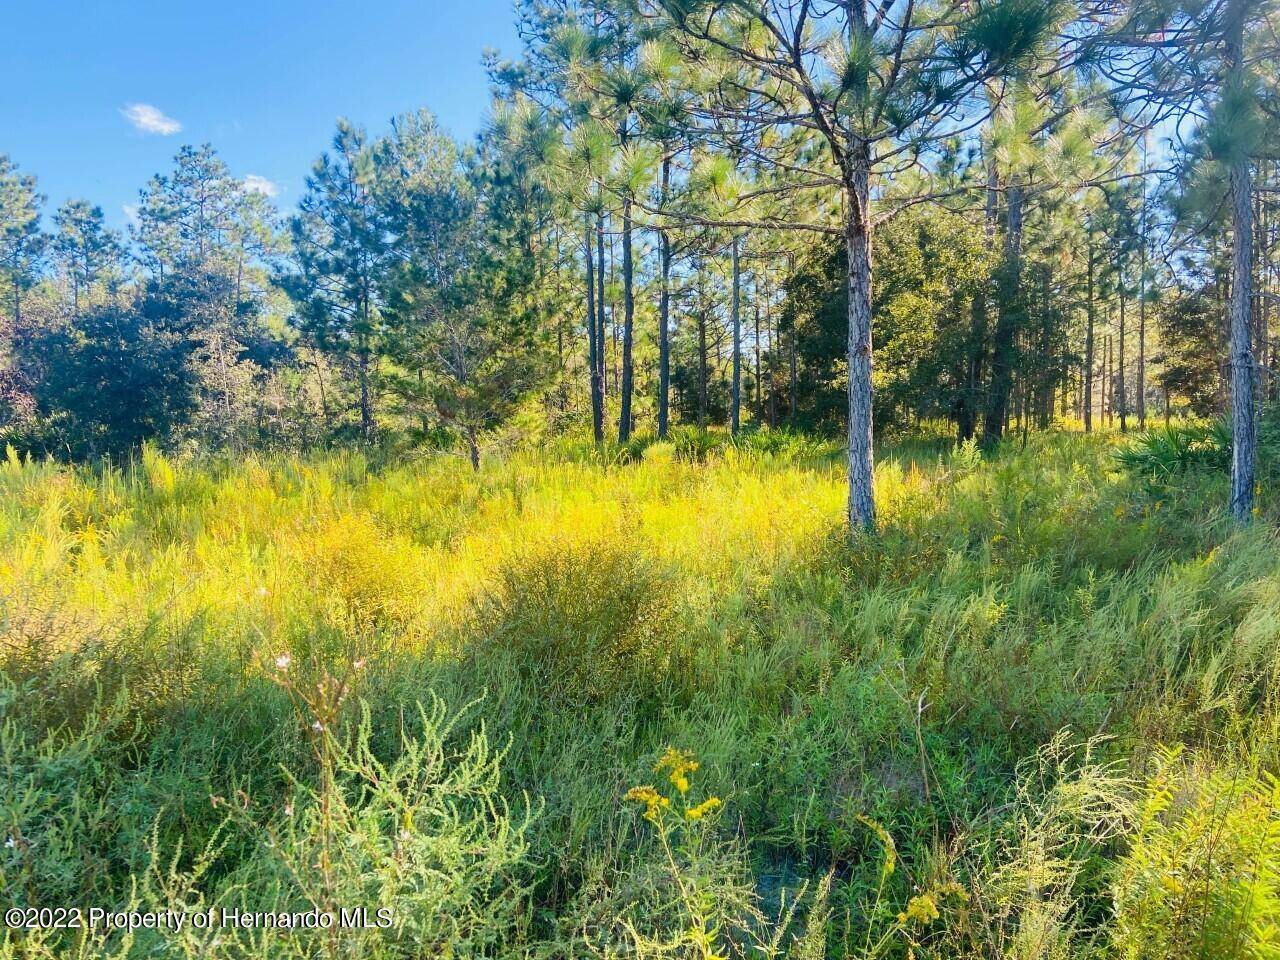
(256, 184)
(131, 214)
(150, 119)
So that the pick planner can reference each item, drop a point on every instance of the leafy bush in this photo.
(695, 445)
(1202, 875)
(1165, 452)
(587, 618)
(1174, 449)
(426, 837)
(61, 801)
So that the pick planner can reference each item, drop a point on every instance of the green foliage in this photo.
(60, 812)
(686, 892)
(122, 375)
(21, 243)
(1202, 875)
(596, 608)
(1192, 347)
(588, 620)
(1171, 450)
(930, 268)
(1167, 452)
(1005, 33)
(426, 837)
(85, 247)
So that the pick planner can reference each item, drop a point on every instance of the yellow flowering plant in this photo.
(677, 765)
(912, 923)
(682, 826)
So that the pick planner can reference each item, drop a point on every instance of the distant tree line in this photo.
(837, 217)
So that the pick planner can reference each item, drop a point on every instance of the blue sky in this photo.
(262, 81)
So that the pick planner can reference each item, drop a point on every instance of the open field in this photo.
(1026, 720)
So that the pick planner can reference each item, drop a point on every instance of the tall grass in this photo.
(211, 672)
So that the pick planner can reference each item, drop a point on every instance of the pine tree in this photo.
(875, 86)
(84, 247)
(342, 253)
(22, 244)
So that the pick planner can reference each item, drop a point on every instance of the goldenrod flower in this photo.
(709, 805)
(654, 802)
(678, 764)
(922, 909)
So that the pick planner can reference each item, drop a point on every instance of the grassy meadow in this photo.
(646, 702)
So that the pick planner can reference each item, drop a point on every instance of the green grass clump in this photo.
(941, 740)
(583, 620)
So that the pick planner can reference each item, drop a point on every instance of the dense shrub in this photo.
(1167, 451)
(1173, 449)
(586, 619)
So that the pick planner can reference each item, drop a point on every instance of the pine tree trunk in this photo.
(1243, 423)
(769, 389)
(702, 365)
(862, 507)
(1109, 384)
(1120, 385)
(1006, 321)
(1142, 364)
(793, 376)
(593, 344)
(664, 315)
(735, 400)
(473, 448)
(366, 400)
(1243, 373)
(1088, 339)
(366, 397)
(971, 398)
(324, 397)
(1142, 308)
(628, 325)
(759, 394)
(601, 357)
(1047, 373)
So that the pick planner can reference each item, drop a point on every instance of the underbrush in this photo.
(1167, 452)
(1034, 717)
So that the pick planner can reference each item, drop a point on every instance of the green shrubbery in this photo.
(1201, 877)
(425, 835)
(1171, 450)
(585, 620)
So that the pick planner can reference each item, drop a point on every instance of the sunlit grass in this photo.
(597, 607)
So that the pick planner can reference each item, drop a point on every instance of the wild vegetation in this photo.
(798, 484)
(1033, 718)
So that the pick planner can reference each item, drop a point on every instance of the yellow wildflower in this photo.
(890, 848)
(678, 764)
(922, 909)
(654, 802)
(709, 805)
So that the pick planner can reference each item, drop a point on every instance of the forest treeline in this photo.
(689, 213)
